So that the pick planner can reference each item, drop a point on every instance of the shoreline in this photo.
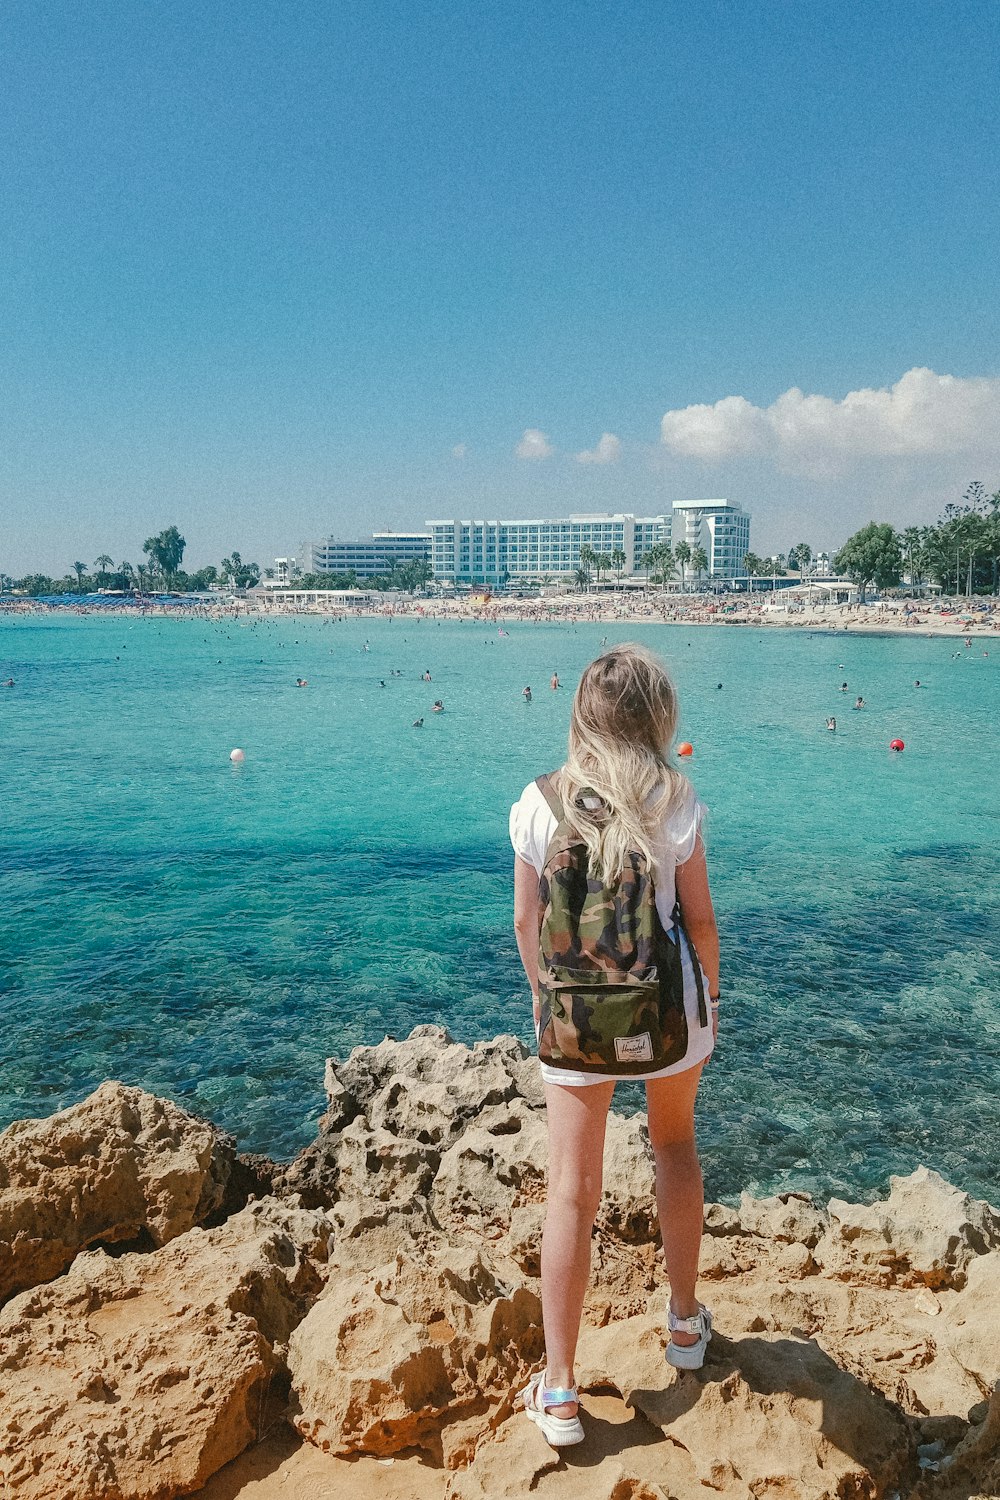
(881, 619)
(179, 1319)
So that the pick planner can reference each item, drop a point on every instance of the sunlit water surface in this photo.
(212, 933)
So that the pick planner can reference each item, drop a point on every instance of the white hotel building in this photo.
(495, 552)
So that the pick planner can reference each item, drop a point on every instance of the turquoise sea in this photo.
(212, 932)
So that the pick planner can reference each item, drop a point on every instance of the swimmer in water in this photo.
(843, 687)
(418, 723)
(427, 675)
(718, 687)
(526, 694)
(831, 724)
(301, 682)
(381, 682)
(554, 681)
(438, 707)
(918, 683)
(860, 703)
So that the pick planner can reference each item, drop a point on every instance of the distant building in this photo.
(370, 557)
(499, 552)
(719, 527)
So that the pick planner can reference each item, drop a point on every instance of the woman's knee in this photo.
(676, 1153)
(573, 1194)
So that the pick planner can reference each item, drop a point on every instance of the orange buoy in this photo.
(896, 745)
(687, 749)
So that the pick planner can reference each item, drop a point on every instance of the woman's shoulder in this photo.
(684, 813)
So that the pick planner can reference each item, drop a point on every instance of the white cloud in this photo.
(922, 415)
(534, 444)
(608, 451)
(459, 450)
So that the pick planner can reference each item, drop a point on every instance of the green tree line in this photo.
(961, 553)
(161, 570)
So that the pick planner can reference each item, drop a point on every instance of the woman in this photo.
(620, 792)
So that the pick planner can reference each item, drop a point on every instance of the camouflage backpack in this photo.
(610, 979)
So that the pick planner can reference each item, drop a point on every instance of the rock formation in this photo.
(382, 1302)
(114, 1166)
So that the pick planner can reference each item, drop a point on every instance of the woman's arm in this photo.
(699, 915)
(526, 922)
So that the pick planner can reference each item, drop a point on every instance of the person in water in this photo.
(438, 706)
(621, 793)
(427, 675)
(860, 703)
(301, 682)
(831, 724)
(526, 694)
(554, 681)
(418, 723)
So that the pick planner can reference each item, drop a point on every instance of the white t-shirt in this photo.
(532, 825)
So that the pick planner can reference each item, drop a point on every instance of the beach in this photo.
(975, 617)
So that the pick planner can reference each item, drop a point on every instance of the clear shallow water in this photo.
(212, 933)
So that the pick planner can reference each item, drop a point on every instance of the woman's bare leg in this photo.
(576, 1118)
(680, 1197)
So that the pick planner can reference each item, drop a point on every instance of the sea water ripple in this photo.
(212, 933)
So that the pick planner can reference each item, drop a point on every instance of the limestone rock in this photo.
(764, 1416)
(469, 1079)
(424, 1352)
(925, 1232)
(489, 1170)
(791, 1217)
(972, 1330)
(138, 1377)
(119, 1163)
(628, 1200)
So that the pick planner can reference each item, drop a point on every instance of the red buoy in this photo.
(896, 745)
(685, 748)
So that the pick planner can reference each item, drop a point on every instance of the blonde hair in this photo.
(621, 729)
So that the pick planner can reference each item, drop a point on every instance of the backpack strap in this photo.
(695, 965)
(547, 786)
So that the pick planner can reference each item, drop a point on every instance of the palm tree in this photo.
(618, 560)
(582, 578)
(682, 554)
(910, 538)
(802, 554)
(79, 569)
(659, 563)
(102, 564)
(142, 573)
(588, 558)
(699, 560)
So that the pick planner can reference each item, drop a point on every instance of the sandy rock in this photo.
(765, 1416)
(926, 1231)
(791, 1217)
(427, 1089)
(628, 1200)
(489, 1170)
(721, 1220)
(138, 1377)
(524, 1241)
(470, 1079)
(424, 1352)
(972, 1328)
(376, 1166)
(119, 1163)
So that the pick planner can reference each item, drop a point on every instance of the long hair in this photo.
(621, 729)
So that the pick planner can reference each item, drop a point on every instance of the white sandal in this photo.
(559, 1432)
(689, 1356)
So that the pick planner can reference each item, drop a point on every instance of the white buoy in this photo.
(237, 757)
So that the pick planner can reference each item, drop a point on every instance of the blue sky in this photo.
(267, 266)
